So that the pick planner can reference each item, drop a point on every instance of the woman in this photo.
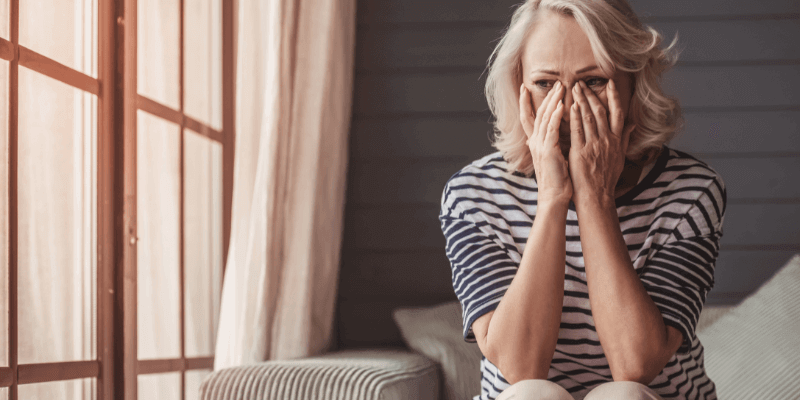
(582, 251)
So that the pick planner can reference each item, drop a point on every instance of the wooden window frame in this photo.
(117, 366)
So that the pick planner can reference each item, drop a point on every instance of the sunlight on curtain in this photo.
(64, 30)
(158, 51)
(159, 386)
(36, 390)
(158, 221)
(57, 196)
(203, 242)
(4, 21)
(193, 381)
(3, 213)
(203, 66)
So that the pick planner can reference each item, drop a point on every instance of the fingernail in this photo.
(611, 84)
(583, 85)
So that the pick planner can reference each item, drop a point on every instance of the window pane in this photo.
(4, 21)
(3, 212)
(3, 393)
(79, 389)
(193, 381)
(64, 30)
(57, 219)
(158, 51)
(160, 386)
(158, 247)
(203, 64)
(203, 241)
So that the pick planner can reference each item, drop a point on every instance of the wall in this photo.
(419, 115)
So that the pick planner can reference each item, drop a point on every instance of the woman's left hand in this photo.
(599, 142)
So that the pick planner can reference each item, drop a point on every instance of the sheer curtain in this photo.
(57, 196)
(294, 88)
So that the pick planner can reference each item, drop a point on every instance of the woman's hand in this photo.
(551, 169)
(599, 144)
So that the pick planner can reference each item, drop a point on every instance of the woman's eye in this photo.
(542, 84)
(595, 82)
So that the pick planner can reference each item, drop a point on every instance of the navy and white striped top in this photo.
(672, 223)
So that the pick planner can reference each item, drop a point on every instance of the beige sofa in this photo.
(752, 351)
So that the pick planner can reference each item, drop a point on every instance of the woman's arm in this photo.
(631, 329)
(523, 330)
(632, 332)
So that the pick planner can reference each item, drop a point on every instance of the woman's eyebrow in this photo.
(580, 71)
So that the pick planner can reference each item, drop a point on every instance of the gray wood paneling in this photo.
(380, 47)
(421, 137)
(419, 115)
(397, 274)
(419, 180)
(380, 12)
(722, 133)
(697, 87)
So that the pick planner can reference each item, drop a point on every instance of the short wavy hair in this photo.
(619, 41)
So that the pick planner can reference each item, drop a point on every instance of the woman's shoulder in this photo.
(688, 177)
(683, 168)
(486, 179)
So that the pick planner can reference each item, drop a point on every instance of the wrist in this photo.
(550, 206)
(595, 203)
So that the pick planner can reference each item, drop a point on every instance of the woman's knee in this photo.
(535, 389)
(622, 390)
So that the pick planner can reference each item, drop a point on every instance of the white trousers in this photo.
(542, 389)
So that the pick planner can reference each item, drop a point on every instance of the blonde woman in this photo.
(582, 251)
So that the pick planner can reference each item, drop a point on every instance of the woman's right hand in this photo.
(550, 167)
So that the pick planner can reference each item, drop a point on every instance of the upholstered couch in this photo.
(752, 351)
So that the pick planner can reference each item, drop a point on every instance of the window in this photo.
(116, 166)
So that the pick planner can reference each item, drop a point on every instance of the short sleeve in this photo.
(482, 269)
(681, 272)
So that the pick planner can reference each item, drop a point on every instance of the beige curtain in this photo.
(294, 86)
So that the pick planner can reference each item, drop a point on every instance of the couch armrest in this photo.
(381, 374)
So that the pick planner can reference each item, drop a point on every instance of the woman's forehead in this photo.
(557, 43)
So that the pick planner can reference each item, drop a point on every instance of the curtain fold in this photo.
(293, 98)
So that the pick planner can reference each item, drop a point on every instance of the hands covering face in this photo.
(599, 142)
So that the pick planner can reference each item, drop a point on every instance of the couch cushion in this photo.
(436, 332)
(349, 374)
(753, 352)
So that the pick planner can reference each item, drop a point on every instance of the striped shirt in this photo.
(672, 223)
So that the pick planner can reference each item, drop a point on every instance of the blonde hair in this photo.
(619, 42)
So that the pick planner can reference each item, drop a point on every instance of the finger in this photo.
(540, 111)
(616, 115)
(587, 117)
(599, 111)
(526, 111)
(626, 138)
(551, 106)
(577, 137)
(551, 138)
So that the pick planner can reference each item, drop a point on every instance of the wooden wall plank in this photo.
(739, 273)
(741, 86)
(422, 181)
(380, 47)
(761, 224)
(716, 133)
(390, 227)
(458, 136)
(389, 11)
(697, 87)
(740, 132)
(426, 274)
